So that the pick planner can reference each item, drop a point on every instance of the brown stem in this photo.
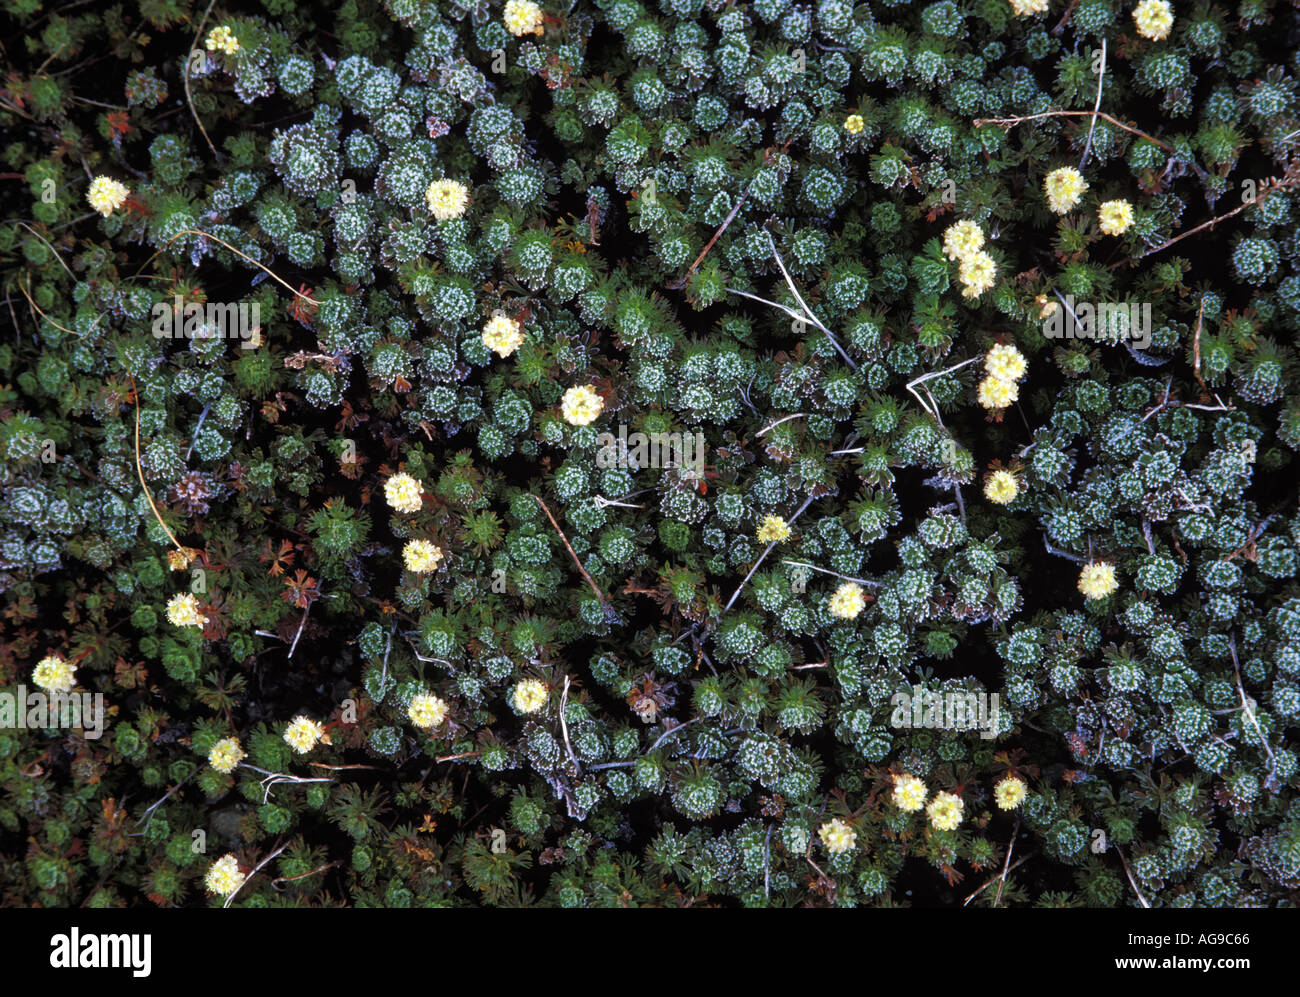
(567, 546)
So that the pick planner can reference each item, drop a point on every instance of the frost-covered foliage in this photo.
(628, 455)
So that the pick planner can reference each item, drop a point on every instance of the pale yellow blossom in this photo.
(529, 696)
(909, 793)
(837, 836)
(54, 674)
(1116, 217)
(302, 734)
(847, 601)
(403, 493)
(1154, 18)
(106, 195)
(581, 406)
(522, 17)
(1097, 580)
(427, 710)
(421, 556)
(224, 876)
(945, 811)
(502, 335)
(1064, 187)
(1009, 792)
(447, 199)
(225, 755)
(183, 611)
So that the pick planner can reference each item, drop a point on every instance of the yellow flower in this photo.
(1116, 217)
(403, 493)
(106, 195)
(997, 392)
(1023, 8)
(909, 793)
(773, 529)
(1097, 580)
(302, 734)
(502, 335)
(427, 710)
(221, 38)
(53, 674)
(1154, 18)
(961, 239)
(945, 811)
(580, 406)
(225, 755)
(1064, 186)
(1009, 792)
(847, 601)
(1001, 487)
(1005, 362)
(183, 611)
(447, 199)
(976, 273)
(421, 556)
(837, 836)
(853, 124)
(522, 17)
(530, 696)
(224, 877)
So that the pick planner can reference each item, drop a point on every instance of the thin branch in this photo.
(140, 470)
(463, 754)
(62, 328)
(185, 78)
(807, 502)
(1008, 122)
(301, 623)
(149, 813)
(771, 426)
(1006, 866)
(767, 859)
(1196, 346)
(569, 547)
(278, 778)
(1248, 708)
(1101, 75)
(1204, 225)
(304, 875)
(723, 227)
(1061, 553)
(1016, 865)
(1131, 881)
(564, 726)
(51, 247)
(804, 305)
(826, 571)
(256, 869)
(930, 376)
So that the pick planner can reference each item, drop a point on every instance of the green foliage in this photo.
(728, 221)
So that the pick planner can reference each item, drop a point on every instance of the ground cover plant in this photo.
(625, 453)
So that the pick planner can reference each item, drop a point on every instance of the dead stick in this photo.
(1006, 866)
(185, 77)
(1016, 865)
(567, 546)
